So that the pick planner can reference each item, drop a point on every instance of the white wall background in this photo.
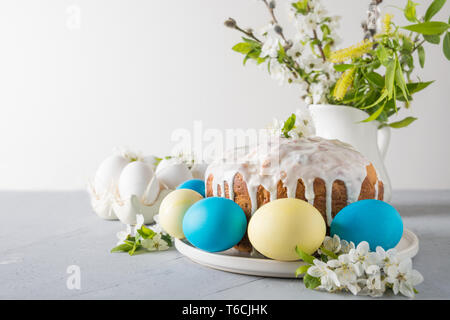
(135, 70)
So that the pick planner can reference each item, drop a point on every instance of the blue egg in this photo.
(194, 184)
(374, 221)
(214, 224)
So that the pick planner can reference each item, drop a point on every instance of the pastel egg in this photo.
(108, 173)
(279, 226)
(173, 209)
(374, 221)
(194, 184)
(214, 224)
(135, 179)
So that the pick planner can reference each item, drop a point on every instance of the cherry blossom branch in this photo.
(271, 6)
(322, 53)
(231, 23)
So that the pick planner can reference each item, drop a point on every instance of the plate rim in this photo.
(220, 261)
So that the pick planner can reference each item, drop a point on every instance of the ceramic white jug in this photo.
(344, 123)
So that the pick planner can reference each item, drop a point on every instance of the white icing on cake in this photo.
(289, 160)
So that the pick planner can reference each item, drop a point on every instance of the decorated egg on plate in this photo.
(214, 224)
(279, 226)
(374, 221)
(173, 208)
(194, 184)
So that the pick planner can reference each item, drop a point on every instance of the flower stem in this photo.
(274, 18)
(319, 45)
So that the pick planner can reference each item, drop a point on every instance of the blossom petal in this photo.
(315, 272)
(407, 289)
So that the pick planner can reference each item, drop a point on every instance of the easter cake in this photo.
(328, 174)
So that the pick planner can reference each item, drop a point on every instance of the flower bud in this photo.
(272, 4)
(230, 23)
(278, 29)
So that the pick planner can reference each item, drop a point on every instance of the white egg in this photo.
(108, 173)
(167, 162)
(172, 175)
(198, 170)
(134, 179)
(152, 191)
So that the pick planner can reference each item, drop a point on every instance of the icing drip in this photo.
(289, 160)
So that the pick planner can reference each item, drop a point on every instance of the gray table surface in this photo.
(42, 233)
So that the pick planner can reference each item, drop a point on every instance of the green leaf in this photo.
(301, 6)
(342, 67)
(133, 250)
(243, 47)
(390, 76)
(376, 114)
(434, 8)
(446, 45)
(434, 39)
(375, 78)
(146, 233)
(402, 123)
(288, 125)
(302, 269)
(410, 11)
(304, 256)
(400, 80)
(383, 96)
(281, 53)
(311, 282)
(421, 53)
(414, 87)
(124, 247)
(428, 28)
(382, 54)
(332, 255)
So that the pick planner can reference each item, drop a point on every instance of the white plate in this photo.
(237, 262)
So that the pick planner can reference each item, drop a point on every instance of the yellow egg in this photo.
(173, 208)
(279, 226)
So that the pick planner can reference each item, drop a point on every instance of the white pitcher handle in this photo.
(384, 137)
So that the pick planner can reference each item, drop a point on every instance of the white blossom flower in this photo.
(270, 48)
(310, 63)
(308, 100)
(361, 257)
(346, 246)
(123, 235)
(311, 20)
(156, 227)
(403, 278)
(275, 128)
(332, 244)
(318, 93)
(278, 71)
(155, 243)
(387, 258)
(374, 285)
(328, 279)
(304, 124)
(320, 11)
(346, 272)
